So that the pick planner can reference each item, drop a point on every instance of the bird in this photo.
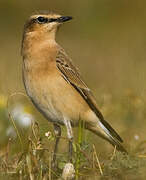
(55, 85)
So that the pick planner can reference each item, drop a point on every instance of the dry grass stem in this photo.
(100, 169)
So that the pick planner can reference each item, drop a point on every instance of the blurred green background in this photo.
(106, 40)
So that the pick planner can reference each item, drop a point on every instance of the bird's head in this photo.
(45, 22)
(40, 29)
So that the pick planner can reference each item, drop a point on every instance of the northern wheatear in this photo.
(55, 85)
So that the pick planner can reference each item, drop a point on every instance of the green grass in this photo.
(34, 162)
(28, 155)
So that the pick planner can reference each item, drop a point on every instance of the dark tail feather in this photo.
(103, 128)
(92, 103)
(110, 135)
(118, 145)
(106, 134)
(111, 130)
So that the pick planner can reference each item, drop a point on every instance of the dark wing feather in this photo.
(72, 76)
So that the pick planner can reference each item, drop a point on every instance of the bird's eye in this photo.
(42, 20)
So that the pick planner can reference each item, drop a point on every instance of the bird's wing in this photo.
(72, 76)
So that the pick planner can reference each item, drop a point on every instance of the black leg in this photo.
(70, 150)
(57, 131)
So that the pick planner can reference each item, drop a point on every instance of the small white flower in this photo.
(48, 134)
(23, 118)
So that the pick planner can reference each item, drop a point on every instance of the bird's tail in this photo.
(101, 127)
(108, 133)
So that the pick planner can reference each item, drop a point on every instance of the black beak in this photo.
(63, 19)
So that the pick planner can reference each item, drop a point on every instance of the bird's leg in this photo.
(70, 137)
(57, 131)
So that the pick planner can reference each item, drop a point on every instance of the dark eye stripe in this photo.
(52, 20)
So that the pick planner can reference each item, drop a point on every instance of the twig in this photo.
(114, 152)
(29, 164)
(100, 169)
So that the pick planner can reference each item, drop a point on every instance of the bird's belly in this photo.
(57, 99)
(43, 102)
